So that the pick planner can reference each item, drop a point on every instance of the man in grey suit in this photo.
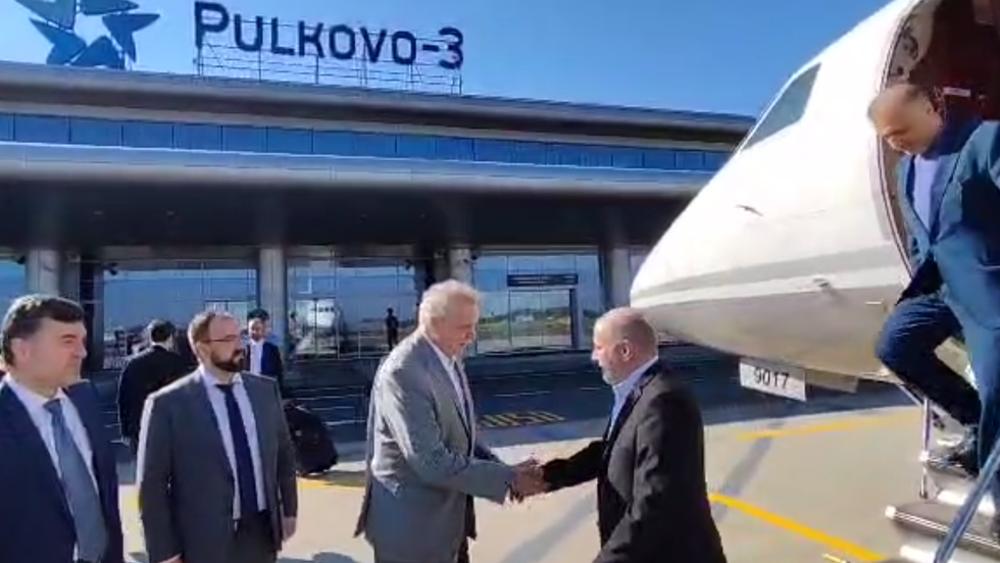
(424, 463)
(216, 469)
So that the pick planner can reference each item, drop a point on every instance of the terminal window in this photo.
(30, 128)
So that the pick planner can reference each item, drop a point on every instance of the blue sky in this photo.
(716, 55)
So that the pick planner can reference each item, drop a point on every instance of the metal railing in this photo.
(987, 473)
(929, 420)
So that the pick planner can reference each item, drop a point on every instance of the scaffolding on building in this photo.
(221, 59)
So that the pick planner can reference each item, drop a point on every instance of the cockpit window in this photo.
(787, 109)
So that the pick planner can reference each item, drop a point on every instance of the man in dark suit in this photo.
(652, 500)
(260, 356)
(949, 183)
(144, 373)
(216, 469)
(58, 479)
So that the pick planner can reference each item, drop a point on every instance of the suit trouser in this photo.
(253, 541)
(907, 344)
(983, 345)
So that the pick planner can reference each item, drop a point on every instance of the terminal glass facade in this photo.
(338, 308)
(337, 305)
(67, 130)
(135, 292)
(13, 279)
(636, 257)
(537, 301)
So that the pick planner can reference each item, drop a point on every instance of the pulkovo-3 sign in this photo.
(317, 39)
(122, 21)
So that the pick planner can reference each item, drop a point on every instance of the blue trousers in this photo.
(906, 345)
(983, 345)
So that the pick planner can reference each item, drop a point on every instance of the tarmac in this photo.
(806, 482)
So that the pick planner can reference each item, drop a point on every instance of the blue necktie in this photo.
(245, 479)
(81, 494)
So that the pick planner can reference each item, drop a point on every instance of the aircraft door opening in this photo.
(952, 46)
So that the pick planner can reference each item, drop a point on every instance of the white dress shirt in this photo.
(624, 388)
(35, 405)
(456, 378)
(218, 400)
(256, 356)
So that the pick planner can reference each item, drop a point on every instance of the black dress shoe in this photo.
(964, 455)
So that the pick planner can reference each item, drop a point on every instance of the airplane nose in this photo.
(689, 265)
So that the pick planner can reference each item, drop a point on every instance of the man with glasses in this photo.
(948, 183)
(216, 468)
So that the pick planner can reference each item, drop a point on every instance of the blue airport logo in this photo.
(56, 20)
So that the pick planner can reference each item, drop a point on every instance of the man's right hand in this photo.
(528, 480)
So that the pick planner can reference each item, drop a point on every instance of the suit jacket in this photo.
(961, 247)
(652, 501)
(270, 361)
(186, 485)
(147, 371)
(424, 462)
(32, 493)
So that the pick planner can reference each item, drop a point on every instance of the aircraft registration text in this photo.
(774, 379)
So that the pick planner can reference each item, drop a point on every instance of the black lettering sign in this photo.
(373, 51)
(770, 378)
(455, 57)
(541, 280)
(209, 17)
(310, 37)
(276, 47)
(404, 48)
(341, 41)
(258, 34)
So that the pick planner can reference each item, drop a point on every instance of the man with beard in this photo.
(216, 468)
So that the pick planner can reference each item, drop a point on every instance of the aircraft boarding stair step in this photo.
(951, 486)
(925, 523)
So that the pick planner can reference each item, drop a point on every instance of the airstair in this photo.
(950, 522)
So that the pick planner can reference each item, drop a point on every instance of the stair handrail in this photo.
(987, 473)
(926, 424)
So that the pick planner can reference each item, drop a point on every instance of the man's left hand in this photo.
(288, 526)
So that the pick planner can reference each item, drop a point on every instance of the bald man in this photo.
(652, 501)
(949, 194)
(910, 119)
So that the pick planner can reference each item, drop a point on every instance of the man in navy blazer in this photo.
(58, 478)
(949, 184)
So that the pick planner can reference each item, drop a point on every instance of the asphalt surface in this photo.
(534, 399)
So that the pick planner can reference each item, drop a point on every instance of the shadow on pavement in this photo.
(753, 407)
(325, 557)
(766, 408)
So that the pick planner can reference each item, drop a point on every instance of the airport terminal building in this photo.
(155, 195)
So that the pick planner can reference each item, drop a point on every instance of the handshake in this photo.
(529, 480)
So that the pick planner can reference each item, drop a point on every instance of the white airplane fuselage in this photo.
(793, 252)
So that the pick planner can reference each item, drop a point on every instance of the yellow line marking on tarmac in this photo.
(355, 480)
(854, 551)
(853, 423)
